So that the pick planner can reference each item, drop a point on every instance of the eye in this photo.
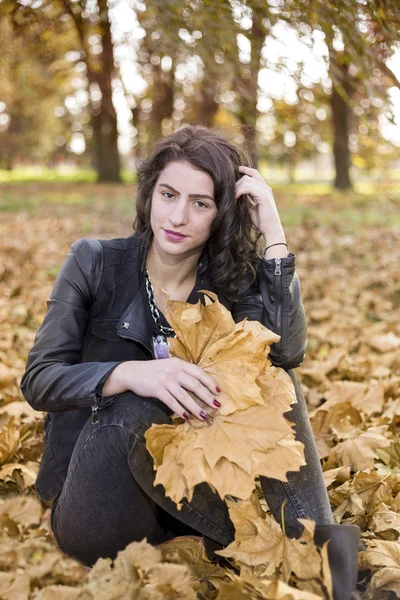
(170, 193)
(203, 203)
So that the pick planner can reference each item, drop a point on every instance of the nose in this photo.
(179, 215)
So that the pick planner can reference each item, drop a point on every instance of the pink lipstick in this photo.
(173, 236)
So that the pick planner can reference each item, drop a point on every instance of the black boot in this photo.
(342, 557)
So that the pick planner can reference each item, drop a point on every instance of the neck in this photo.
(171, 272)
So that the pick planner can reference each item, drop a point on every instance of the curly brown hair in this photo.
(233, 242)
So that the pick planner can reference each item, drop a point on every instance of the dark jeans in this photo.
(108, 499)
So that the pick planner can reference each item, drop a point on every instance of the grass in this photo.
(65, 175)
(38, 190)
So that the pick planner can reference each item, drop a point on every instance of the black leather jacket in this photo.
(98, 316)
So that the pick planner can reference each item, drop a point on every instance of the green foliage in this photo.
(190, 61)
(36, 77)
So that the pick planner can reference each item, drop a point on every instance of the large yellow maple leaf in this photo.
(248, 435)
(262, 549)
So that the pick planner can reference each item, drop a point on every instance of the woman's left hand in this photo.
(263, 211)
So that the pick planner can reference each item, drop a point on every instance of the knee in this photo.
(87, 535)
(88, 551)
(136, 413)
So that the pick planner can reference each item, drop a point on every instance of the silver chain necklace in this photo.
(167, 331)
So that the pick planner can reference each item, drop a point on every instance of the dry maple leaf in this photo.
(14, 585)
(385, 522)
(341, 421)
(197, 326)
(23, 510)
(261, 544)
(7, 376)
(61, 592)
(340, 474)
(191, 553)
(359, 452)
(23, 475)
(365, 397)
(249, 435)
(364, 483)
(9, 440)
(353, 505)
(220, 347)
(247, 587)
(387, 579)
(384, 342)
(390, 456)
(138, 573)
(231, 355)
(171, 581)
(384, 554)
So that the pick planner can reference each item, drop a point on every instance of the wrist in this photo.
(274, 236)
(279, 251)
(275, 243)
(116, 382)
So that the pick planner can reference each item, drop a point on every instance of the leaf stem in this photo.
(283, 517)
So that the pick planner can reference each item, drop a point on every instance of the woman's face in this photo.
(183, 202)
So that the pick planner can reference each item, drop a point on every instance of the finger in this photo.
(244, 186)
(256, 189)
(250, 183)
(186, 401)
(246, 190)
(202, 376)
(169, 400)
(194, 385)
(251, 172)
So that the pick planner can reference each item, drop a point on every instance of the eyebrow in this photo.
(190, 195)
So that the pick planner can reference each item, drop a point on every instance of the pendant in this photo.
(161, 347)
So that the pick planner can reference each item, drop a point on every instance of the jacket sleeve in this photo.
(276, 303)
(54, 378)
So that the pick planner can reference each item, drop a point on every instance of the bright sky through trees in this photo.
(275, 83)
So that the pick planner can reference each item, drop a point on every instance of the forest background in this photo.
(311, 88)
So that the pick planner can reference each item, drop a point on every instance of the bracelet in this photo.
(277, 244)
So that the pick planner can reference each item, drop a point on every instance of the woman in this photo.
(200, 212)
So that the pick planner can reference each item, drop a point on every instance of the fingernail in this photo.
(218, 390)
(216, 403)
(203, 414)
(185, 415)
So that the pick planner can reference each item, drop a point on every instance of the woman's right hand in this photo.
(169, 380)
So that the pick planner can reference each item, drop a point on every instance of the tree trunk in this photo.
(106, 148)
(341, 120)
(291, 165)
(248, 86)
(163, 102)
(206, 105)
(341, 151)
(103, 119)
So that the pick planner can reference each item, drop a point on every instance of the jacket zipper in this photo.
(96, 406)
(278, 300)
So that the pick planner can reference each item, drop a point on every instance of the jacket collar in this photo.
(202, 266)
(136, 322)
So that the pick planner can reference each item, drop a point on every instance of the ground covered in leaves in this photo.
(347, 252)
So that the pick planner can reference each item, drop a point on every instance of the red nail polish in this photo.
(218, 390)
(216, 403)
(203, 414)
(185, 415)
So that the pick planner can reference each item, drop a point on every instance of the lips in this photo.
(174, 234)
